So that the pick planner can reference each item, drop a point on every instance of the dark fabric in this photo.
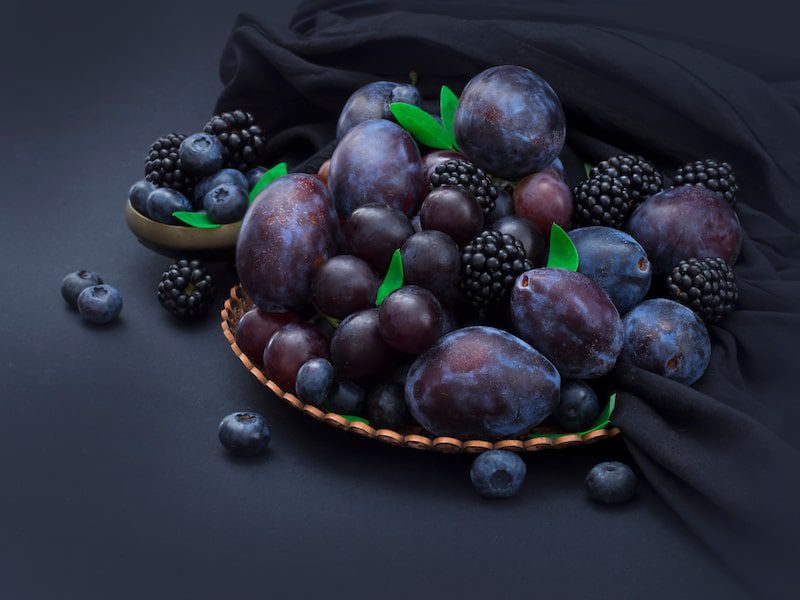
(723, 454)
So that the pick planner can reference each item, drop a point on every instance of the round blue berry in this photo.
(138, 195)
(244, 433)
(75, 283)
(498, 474)
(346, 398)
(226, 203)
(253, 175)
(578, 407)
(231, 176)
(610, 483)
(314, 381)
(100, 304)
(201, 154)
(162, 202)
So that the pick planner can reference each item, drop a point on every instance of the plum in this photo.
(509, 122)
(666, 338)
(372, 102)
(481, 382)
(290, 348)
(358, 352)
(255, 329)
(543, 199)
(377, 162)
(614, 261)
(290, 230)
(686, 222)
(567, 317)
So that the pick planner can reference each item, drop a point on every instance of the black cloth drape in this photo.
(723, 453)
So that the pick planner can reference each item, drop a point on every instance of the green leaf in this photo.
(268, 177)
(448, 103)
(603, 419)
(563, 254)
(352, 418)
(422, 126)
(195, 219)
(393, 280)
(588, 168)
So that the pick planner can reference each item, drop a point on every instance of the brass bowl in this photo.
(176, 241)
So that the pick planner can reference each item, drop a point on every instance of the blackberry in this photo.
(186, 289)
(242, 139)
(714, 175)
(463, 174)
(638, 175)
(706, 285)
(602, 200)
(163, 167)
(490, 264)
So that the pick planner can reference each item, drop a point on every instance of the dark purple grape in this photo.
(377, 162)
(343, 285)
(416, 224)
(569, 319)
(386, 406)
(431, 260)
(374, 231)
(453, 211)
(410, 319)
(481, 383)
(256, 327)
(532, 240)
(346, 398)
(503, 204)
(433, 159)
(288, 349)
(358, 352)
(290, 230)
(510, 122)
(372, 102)
(543, 199)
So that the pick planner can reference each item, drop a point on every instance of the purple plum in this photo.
(372, 102)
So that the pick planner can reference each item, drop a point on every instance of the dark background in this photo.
(113, 482)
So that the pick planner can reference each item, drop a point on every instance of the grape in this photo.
(288, 349)
(343, 285)
(256, 327)
(433, 159)
(377, 161)
(543, 199)
(509, 122)
(503, 204)
(410, 319)
(569, 319)
(347, 398)
(529, 236)
(453, 211)
(372, 102)
(431, 260)
(386, 406)
(416, 223)
(686, 222)
(481, 382)
(358, 352)
(374, 231)
(288, 233)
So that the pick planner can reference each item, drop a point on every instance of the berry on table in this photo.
(638, 175)
(706, 285)
(610, 483)
(490, 264)
(602, 200)
(315, 381)
(714, 175)
(74, 283)
(163, 167)
(465, 175)
(578, 407)
(100, 304)
(243, 141)
(186, 289)
(498, 474)
(244, 433)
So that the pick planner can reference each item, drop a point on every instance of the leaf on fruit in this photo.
(393, 280)
(423, 127)
(603, 420)
(195, 219)
(268, 177)
(588, 168)
(448, 103)
(563, 254)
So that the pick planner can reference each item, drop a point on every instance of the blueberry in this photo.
(346, 398)
(231, 176)
(253, 175)
(75, 283)
(162, 202)
(497, 474)
(386, 406)
(226, 203)
(578, 407)
(138, 195)
(610, 483)
(100, 304)
(201, 154)
(314, 381)
(244, 433)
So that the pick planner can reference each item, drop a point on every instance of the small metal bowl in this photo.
(176, 241)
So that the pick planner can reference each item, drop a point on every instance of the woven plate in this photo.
(413, 437)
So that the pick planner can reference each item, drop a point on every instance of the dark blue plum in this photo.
(509, 122)
(201, 154)
(610, 483)
(226, 203)
(253, 175)
(569, 319)
(666, 338)
(386, 406)
(481, 383)
(498, 474)
(346, 398)
(100, 304)
(244, 433)
(229, 176)
(377, 162)
(614, 261)
(138, 195)
(162, 202)
(74, 283)
(578, 407)
(372, 102)
(315, 380)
